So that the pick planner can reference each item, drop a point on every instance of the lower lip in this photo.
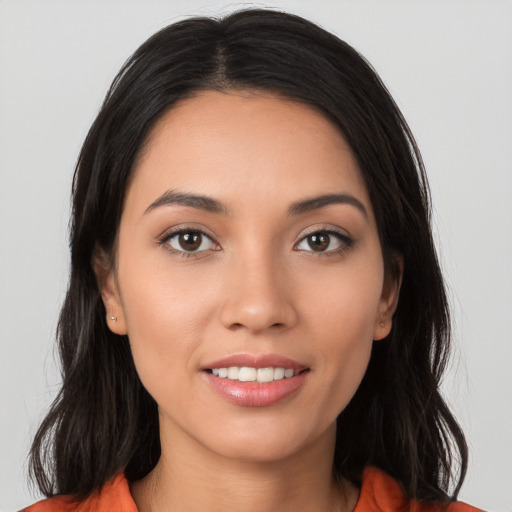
(256, 394)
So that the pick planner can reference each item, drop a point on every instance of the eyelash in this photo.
(346, 242)
(166, 237)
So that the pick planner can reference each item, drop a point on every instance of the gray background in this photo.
(448, 65)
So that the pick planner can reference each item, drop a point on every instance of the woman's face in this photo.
(248, 247)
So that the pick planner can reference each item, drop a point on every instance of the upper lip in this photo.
(256, 361)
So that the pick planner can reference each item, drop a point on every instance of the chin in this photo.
(260, 443)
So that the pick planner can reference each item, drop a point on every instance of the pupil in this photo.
(190, 241)
(318, 242)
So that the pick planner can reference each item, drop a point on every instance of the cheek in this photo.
(166, 314)
(342, 315)
(345, 345)
(344, 300)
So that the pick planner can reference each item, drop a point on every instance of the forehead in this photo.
(246, 145)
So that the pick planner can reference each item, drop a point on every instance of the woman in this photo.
(255, 318)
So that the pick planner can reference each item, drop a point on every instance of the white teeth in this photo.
(278, 373)
(265, 375)
(248, 374)
(233, 372)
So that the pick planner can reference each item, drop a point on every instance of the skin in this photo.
(257, 287)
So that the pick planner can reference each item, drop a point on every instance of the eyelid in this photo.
(183, 228)
(175, 231)
(343, 237)
(325, 228)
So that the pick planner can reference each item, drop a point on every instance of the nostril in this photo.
(236, 326)
(256, 313)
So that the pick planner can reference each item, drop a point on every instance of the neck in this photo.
(191, 477)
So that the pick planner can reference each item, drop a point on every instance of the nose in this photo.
(258, 296)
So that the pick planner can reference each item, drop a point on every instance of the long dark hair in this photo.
(103, 420)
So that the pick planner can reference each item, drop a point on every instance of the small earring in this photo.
(113, 318)
(381, 323)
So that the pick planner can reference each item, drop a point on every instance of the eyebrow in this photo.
(172, 197)
(201, 202)
(316, 202)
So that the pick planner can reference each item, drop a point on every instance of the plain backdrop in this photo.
(448, 65)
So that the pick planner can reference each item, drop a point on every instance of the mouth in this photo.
(256, 381)
(251, 374)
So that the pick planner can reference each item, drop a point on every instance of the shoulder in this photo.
(114, 496)
(381, 493)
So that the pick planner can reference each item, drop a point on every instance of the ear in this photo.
(389, 299)
(108, 287)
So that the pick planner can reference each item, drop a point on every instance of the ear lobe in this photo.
(389, 299)
(107, 285)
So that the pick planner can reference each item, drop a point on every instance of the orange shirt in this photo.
(379, 493)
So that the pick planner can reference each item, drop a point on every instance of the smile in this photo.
(255, 380)
(250, 374)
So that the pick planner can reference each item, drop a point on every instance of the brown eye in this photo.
(189, 241)
(325, 242)
(319, 241)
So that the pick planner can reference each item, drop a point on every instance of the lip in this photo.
(256, 361)
(256, 394)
